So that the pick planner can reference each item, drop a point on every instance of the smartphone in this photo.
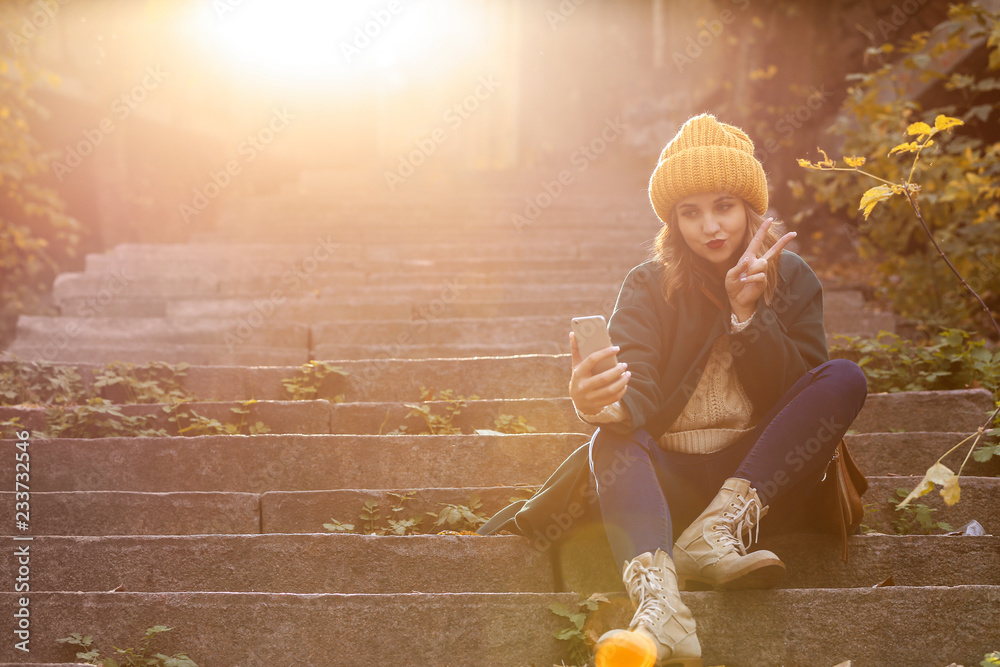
(592, 335)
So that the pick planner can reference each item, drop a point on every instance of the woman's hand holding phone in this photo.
(592, 392)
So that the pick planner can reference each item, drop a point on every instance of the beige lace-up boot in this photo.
(712, 553)
(662, 632)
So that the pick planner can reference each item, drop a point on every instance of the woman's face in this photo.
(714, 226)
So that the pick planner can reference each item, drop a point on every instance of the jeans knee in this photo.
(610, 450)
(849, 376)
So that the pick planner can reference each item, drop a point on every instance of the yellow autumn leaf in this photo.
(904, 148)
(805, 163)
(873, 197)
(951, 491)
(918, 128)
(943, 122)
(936, 474)
(853, 161)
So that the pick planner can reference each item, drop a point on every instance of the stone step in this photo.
(223, 259)
(281, 417)
(87, 286)
(960, 410)
(95, 512)
(37, 330)
(541, 379)
(248, 355)
(299, 308)
(330, 563)
(140, 512)
(739, 629)
(307, 511)
(288, 462)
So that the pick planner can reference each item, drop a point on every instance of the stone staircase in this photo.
(222, 538)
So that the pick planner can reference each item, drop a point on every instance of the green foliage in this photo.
(512, 424)
(36, 235)
(437, 424)
(460, 517)
(128, 657)
(581, 641)
(370, 515)
(991, 660)
(306, 384)
(951, 360)
(440, 408)
(97, 418)
(959, 191)
(451, 517)
(189, 422)
(915, 518)
(153, 382)
(39, 383)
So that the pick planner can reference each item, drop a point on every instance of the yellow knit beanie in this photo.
(707, 156)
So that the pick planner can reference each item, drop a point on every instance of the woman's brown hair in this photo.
(682, 269)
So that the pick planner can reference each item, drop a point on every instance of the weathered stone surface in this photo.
(738, 629)
(246, 354)
(307, 511)
(883, 454)
(316, 563)
(961, 410)
(266, 629)
(910, 411)
(298, 417)
(289, 462)
(347, 563)
(108, 331)
(139, 512)
(978, 502)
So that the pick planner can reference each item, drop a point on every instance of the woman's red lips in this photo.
(717, 243)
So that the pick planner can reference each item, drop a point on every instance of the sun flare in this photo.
(315, 41)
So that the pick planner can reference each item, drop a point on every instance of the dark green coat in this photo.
(666, 346)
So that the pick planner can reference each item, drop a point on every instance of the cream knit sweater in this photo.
(717, 414)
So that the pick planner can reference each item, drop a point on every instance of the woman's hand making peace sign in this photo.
(745, 282)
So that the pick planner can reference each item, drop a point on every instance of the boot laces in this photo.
(743, 515)
(653, 603)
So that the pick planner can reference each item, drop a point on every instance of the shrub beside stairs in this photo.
(222, 537)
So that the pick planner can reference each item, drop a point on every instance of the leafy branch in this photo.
(938, 473)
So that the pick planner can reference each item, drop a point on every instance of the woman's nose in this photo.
(710, 225)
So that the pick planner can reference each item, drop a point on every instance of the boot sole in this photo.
(767, 574)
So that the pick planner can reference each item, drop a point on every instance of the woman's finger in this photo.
(757, 240)
(779, 244)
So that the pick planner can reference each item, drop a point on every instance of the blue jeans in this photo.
(645, 491)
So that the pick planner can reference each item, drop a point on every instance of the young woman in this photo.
(724, 407)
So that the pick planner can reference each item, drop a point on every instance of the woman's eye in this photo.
(725, 207)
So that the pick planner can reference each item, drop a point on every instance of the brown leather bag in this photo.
(839, 495)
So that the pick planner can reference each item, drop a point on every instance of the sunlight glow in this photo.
(298, 42)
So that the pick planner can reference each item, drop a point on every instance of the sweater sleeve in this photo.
(635, 327)
(784, 339)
